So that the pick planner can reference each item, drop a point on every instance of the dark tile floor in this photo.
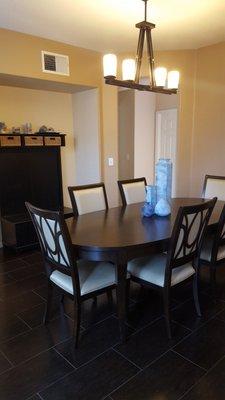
(38, 362)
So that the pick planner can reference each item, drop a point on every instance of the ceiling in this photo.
(108, 25)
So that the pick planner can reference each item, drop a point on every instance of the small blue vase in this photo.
(147, 210)
(151, 195)
(162, 208)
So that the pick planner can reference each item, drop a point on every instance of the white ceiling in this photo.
(108, 25)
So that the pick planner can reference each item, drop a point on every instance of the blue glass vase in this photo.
(151, 195)
(149, 207)
(164, 179)
(147, 210)
(164, 186)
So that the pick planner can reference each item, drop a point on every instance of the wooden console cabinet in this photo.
(30, 170)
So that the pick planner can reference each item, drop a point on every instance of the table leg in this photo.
(121, 298)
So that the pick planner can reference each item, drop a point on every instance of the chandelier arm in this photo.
(138, 86)
(151, 60)
(139, 54)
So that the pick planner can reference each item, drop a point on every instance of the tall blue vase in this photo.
(164, 179)
(164, 186)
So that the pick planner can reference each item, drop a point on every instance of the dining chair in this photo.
(213, 249)
(88, 198)
(77, 279)
(166, 270)
(132, 190)
(214, 186)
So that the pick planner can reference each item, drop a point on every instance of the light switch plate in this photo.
(110, 162)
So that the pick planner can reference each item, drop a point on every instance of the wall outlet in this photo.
(110, 162)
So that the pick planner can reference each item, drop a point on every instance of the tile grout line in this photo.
(146, 326)
(181, 325)
(84, 365)
(98, 322)
(39, 295)
(3, 354)
(127, 359)
(7, 370)
(122, 384)
(22, 320)
(13, 337)
(139, 372)
(187, 359)
(195, 384)
(38, 354)
(53, 348)
(156, 359)
(197, 329)
(40, 397)
(56, 381)
(94, 358)
(75, 368)
(92, 325)
(158, 318)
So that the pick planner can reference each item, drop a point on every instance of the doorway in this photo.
(85, 106)
(147, 132)
(166, 139)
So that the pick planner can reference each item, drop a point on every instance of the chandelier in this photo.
(160, 81)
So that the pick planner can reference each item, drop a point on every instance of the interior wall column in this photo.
(110, 141)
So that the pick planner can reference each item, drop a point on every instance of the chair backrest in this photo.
(55, 242)
(188, 232)
(219, 236)
(88, 198)
(132, 190)
(214, 186)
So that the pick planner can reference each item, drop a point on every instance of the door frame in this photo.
(157, 143)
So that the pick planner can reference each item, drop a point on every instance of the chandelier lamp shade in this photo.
(160, 80)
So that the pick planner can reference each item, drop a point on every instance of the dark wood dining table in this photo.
(121, 234)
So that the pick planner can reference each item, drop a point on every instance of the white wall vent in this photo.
(55, 63)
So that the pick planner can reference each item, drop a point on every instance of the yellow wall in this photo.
(19, 106)
(21, 55)
(201, 103)
(208, 152)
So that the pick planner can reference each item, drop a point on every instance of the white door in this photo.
(166, 139)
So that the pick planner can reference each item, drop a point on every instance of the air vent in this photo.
(55, 63)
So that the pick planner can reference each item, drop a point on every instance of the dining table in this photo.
(121, 234)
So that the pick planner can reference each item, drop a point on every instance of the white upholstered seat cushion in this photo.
(152, 269)
(90, 200)
(93, 276)
(206, 252)
(134, 192)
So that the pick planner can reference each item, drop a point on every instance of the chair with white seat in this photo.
(132, 190)
(214, 186)
(213, 249)
(88, 198)
(166, 270)
(78, 279)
